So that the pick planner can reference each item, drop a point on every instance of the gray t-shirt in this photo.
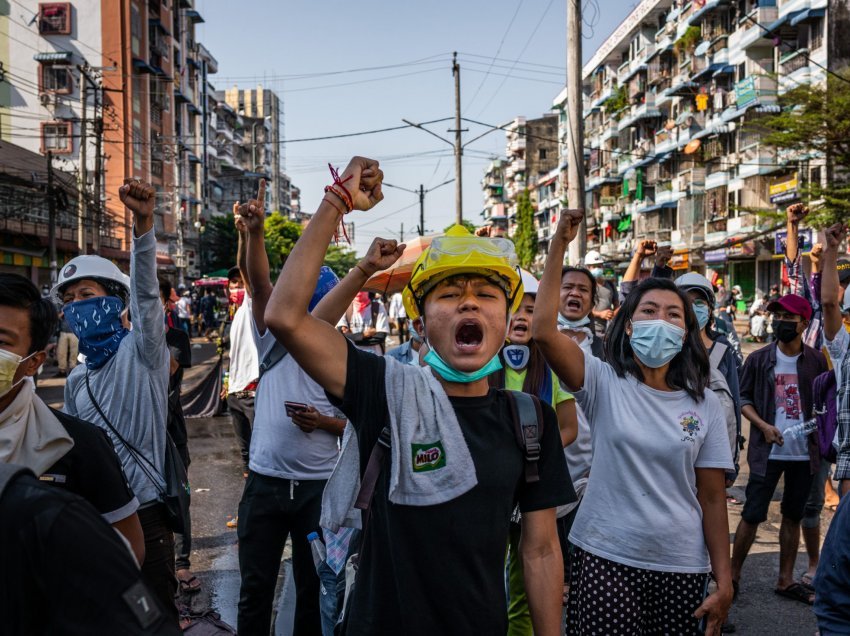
(278, 447)
(604, 300)
(640, 508)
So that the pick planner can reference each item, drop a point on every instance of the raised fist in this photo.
(796, 212)
(362, 179)
(382, 253)
(835, 234)
(569, 223)
(647, 248)
(139, 197)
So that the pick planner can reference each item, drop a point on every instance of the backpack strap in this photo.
(716, 355)
(528, 427)
(277, 353)
(373, 471)
(8, 473)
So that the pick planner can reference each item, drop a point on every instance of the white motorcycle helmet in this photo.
(529, 283)
(593, 257)
(94, 268)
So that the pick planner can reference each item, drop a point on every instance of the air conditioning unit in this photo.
(47, 99)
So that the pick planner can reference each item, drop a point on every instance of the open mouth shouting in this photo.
(519, 330)
(573, 304)
(469, 336)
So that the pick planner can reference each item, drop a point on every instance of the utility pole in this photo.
(98, 168)
(421, 209)
(575, 123)
(458, 146)
(401, 234)
(51, 227)
(82, 176)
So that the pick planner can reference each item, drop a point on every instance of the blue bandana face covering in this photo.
(656, 342)
(97, 323)
(449, 374)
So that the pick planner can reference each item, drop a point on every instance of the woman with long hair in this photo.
(525, 369)
(653, 522)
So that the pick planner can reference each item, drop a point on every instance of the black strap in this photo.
(8, 473)
(528, 427)
(278, 352)
(135, 453)
(374, 309)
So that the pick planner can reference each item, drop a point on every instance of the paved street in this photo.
(216, 478)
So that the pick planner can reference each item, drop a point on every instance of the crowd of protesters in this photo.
(535, 457)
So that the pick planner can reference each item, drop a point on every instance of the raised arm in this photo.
(381, 255)
(644, 250)
(250, 219)
(317, 347)
(830, 288)
(561, 352)
(793, 259)
(145, 305)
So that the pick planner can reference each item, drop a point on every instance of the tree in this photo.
(340, 259)
(219, 244)
(525, 236)
(815, 121)
(281, 236)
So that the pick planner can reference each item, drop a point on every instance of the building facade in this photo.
(674, 152)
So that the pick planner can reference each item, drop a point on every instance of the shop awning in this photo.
(709, 6)
(659, 206)
(807, 14)
(53, 56)
(194, 16)
(725, 70)
(142, 66)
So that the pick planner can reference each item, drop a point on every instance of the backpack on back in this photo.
(824, 398)
(720, 387)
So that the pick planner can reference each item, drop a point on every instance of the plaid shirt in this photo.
(839, 351)
(810, 290)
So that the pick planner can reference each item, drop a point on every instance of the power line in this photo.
(299, 76)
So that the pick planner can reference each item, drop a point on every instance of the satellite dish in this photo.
(692, 146)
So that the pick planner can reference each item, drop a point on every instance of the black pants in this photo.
(242, 413)
(272, 509)
(158, 568)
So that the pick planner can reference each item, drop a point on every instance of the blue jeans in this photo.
(327, 597)
(832, 580)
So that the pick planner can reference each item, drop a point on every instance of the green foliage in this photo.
(618, 101)
(467, 224)
(281, 236)
(525, 237)
(340, 259)
(689, 40)
(815, 121)
(219, 244)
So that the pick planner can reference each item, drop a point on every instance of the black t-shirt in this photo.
(63, 570)
(440, 569)
(92, 470)
(180, 348)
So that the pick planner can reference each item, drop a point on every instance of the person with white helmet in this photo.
(526, 370)
(607, 300)
(123, 385)
(441, 499)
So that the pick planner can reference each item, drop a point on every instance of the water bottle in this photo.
(802, 430)
(317, 548)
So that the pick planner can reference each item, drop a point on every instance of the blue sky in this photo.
(279, 43)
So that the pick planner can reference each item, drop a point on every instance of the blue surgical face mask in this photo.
(450, 374)
(702, 312)
(97, 323)
(566, 323)
(596, 272)
(656, 342)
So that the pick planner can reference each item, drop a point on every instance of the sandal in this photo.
(796, 592)
(192, 585)
(807, 581)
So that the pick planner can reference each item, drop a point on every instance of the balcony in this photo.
(756, 160)
(717, 179)
(517, 166)
(750, 32)
(647, 110)
(518, 144)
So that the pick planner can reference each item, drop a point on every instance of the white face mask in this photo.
(9, 363)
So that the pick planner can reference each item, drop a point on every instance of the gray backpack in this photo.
(720, 387)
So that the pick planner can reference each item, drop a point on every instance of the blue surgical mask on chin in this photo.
(573, 324)
(656, 342)
(97, 323)
(702, 312)
(450, 374)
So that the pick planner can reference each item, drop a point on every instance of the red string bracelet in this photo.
(334, 205)
(340, 182)
(346, 200)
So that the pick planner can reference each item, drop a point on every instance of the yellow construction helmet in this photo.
(459, 252)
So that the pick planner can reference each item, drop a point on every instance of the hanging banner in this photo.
(805, 240)
(607, 200)
(745, 92)
(783, 189)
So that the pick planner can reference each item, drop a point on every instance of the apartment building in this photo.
(113, 90)
(672, 105)
(494, 211)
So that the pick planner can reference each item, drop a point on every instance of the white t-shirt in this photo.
(184, 307)
(244, 364)
(789, 410)
(640, 508)
(397, 307)
(579, 454)
(357, 322)
(278, 447)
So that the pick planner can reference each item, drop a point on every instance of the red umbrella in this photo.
(392, 280)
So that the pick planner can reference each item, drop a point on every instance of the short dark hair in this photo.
(689, 370)
(234, 273)
(20, 293)
(594, 292)
(165, 288)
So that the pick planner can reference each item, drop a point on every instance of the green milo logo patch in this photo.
(428, 456)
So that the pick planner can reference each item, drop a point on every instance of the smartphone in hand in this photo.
(293, 408)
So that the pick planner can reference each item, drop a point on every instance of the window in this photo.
(541, 153)
(54, 18)
(816, 35)
(135, 30)
(56, 137)
(56, 78)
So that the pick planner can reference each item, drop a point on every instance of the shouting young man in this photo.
(433, 553)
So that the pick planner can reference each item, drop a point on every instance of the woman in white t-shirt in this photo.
(653, 521)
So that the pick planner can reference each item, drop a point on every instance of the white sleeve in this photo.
(599, 378)
(382, 325)
(837, 348)
(715, 451)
